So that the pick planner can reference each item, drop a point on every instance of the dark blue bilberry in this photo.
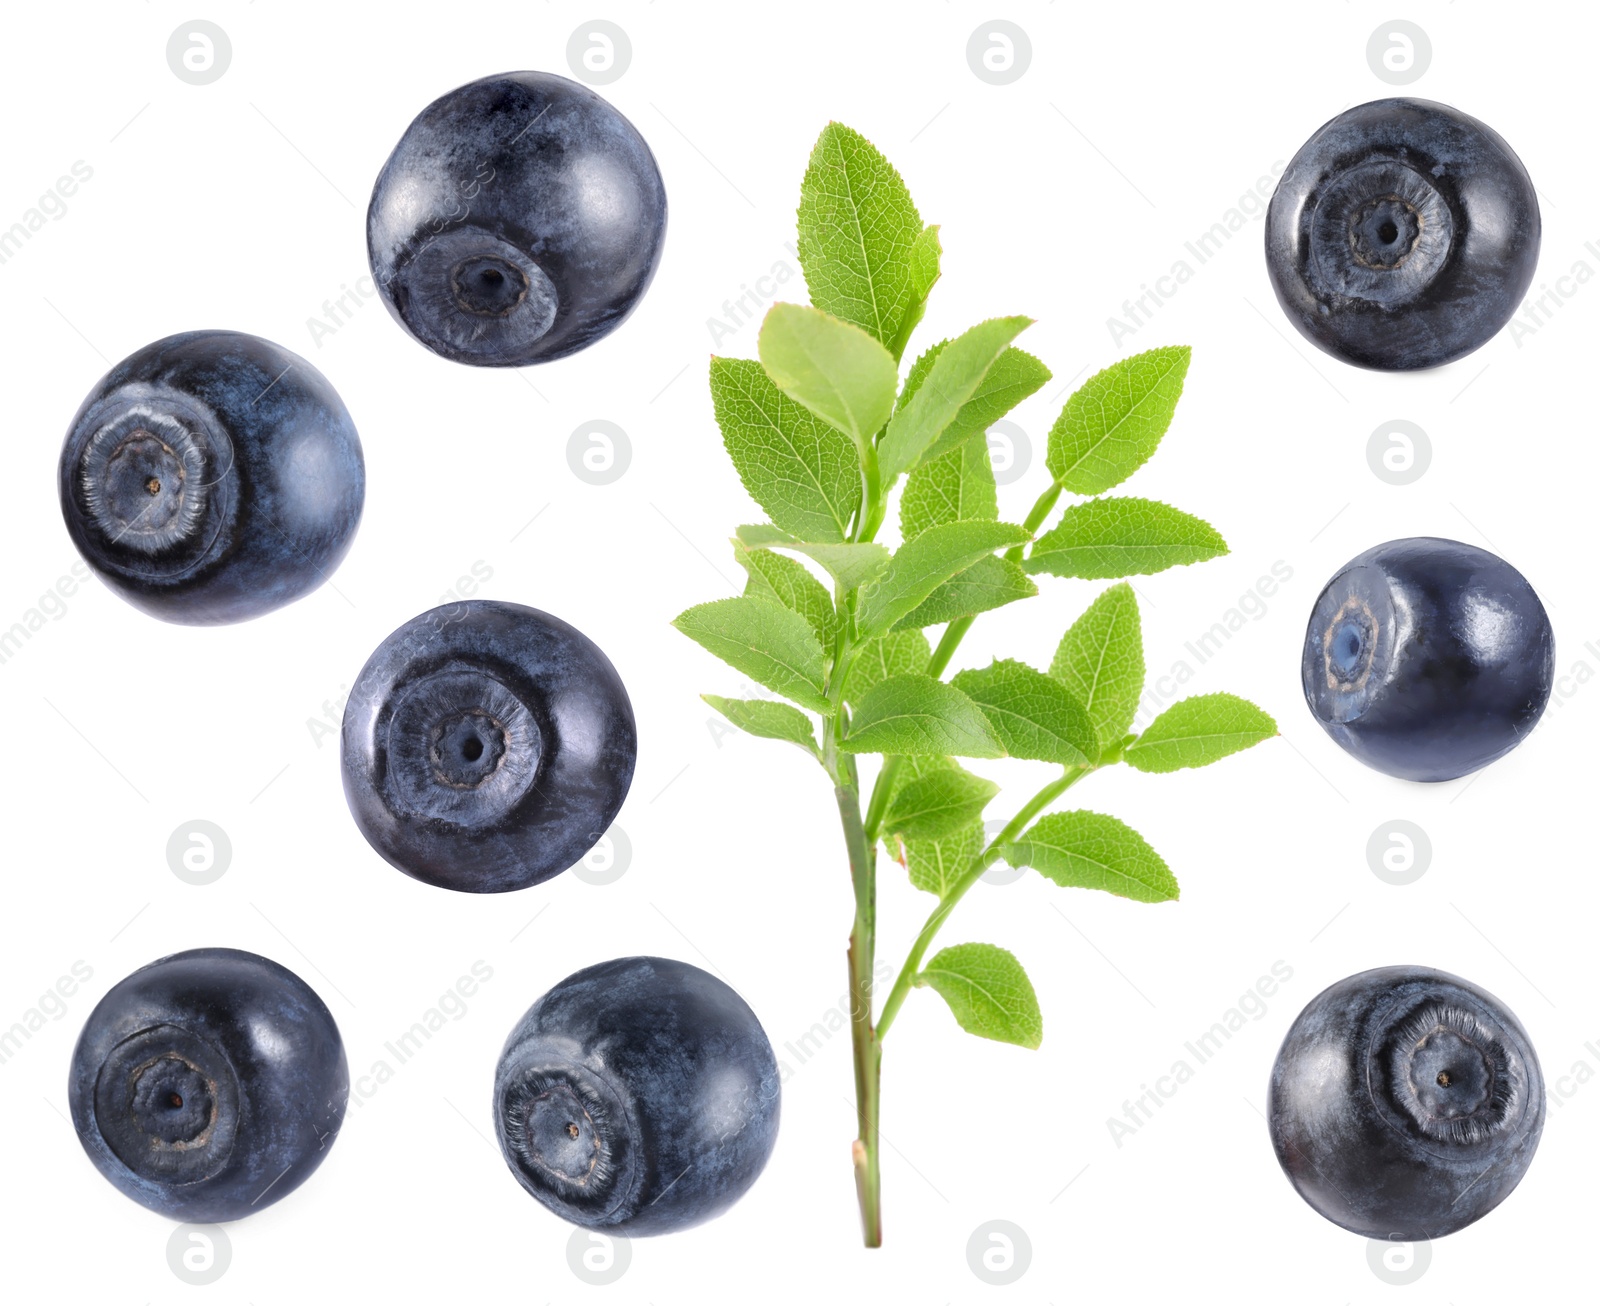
(519, 219)
(212, 477)
(1403, 235)
(1428, 658)
(638, 1096)
(1405, 1103)
(486, 746)
(209, 1084)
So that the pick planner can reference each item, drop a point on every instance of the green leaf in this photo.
(1199, 731)
(909, 768)
(1085, 850)
(894, 654)
(1034, 715)
(852, 565)
(912, 767)
(858, 228)
(802, 471)
(953, 379)
(937, 802)
(769, 720)
(925, 252)
(921, 565)
(1107, 538)
(830, 367)
(1114, 421)
(990, 582)
(783, 580)
(988, 992)
(918, 373)
(934, 865)
(956, 486)
(775, 647)
(914, 714)
(1015, 375)
(1101, 660)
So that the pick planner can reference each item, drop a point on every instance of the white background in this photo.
(241, 204)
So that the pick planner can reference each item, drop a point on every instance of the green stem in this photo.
(872, 497)
(867, 1053)
(954, 633)
(881, 788)
(1035, 518)
(860, 843)
(841, 767)
(908, 973)
(863, 940)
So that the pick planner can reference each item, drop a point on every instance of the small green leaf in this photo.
(775, 647)
(1101, 660)
(921, 565)
(894, 654)
(1108, 538)
(1199, 731)
(806, 474)
(914, 714)
(858, 228)
(934, 865)
(988, 992)
(767, 719)
(953, 379)
(1034, 715)
(1015, 375)
(912, 767)
(957, 486)
(925, 252)
(852, 565)
(937, 802)
(989, 583)
(783, 580)
(830, 367)
(1085, 850)
(1114, 421)
(918, 373)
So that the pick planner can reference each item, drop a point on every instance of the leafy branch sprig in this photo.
(822, 430)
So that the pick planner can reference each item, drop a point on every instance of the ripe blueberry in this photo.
(1427, 658)
(639, 1096)
(212, 477)
(209, 1084)
(1403, 235)
(519, 219)
(486, 746)
(1405, 1103)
